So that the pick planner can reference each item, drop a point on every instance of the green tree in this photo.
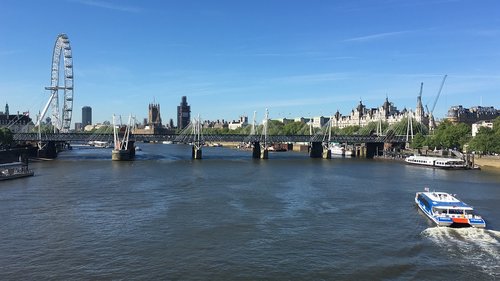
(6, 137)
(44, 129)
(487, 140)
(295, 128)
(275, 127)
(400, 128)
(419, 140)
(496, 132)
(449, 135)
(350, 130)
(484, 142)
(369, 129)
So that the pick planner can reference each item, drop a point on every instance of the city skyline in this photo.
(231, 58)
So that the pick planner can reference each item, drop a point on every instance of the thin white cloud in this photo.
(312, 78)
(377, 36)
(108, 5)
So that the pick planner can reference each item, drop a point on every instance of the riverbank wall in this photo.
(488, 161)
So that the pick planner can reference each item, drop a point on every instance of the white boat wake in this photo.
(478, 247)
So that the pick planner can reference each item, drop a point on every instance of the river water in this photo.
(230, 217)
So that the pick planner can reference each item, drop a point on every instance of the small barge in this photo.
(14, 170)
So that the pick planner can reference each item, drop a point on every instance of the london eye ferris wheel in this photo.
(60, 119)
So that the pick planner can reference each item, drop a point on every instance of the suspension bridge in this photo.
(319, 143)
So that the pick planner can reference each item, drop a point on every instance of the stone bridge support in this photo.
(49, 150)
(316, 149)
(124, 155)
(196, 152)
(372, 149)
(369, 149)
(327, 153)
(264, 154)
(258, 153)
(256, 150)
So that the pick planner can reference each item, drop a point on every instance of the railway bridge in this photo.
(318, 145)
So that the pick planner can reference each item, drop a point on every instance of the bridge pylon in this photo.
(123, 149)
(197, 139)
(264, 152)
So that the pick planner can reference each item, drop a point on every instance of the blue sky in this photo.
(234, 57)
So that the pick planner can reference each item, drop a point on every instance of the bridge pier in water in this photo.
(373, 149)
(48, 150)
(258, 153)
(196, 152)
(264, 153)
(256, 150)
(316, 149)
(327, 153)
(360, 151)
(124, 154)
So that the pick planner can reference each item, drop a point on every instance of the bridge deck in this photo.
(81, 137)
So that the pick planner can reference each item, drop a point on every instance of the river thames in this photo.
(230, 217)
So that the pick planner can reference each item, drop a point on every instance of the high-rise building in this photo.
(183, 114)
(86, 116)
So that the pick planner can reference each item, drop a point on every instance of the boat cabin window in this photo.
(455, 211)
(423, 200)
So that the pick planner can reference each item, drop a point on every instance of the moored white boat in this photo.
(337, 149)
(437, 162)
(99, 144)
(446, 210)
(349, 152)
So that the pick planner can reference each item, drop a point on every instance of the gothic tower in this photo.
(154, 119)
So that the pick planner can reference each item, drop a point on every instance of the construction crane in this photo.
(432, 123)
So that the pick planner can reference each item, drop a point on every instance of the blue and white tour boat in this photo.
(446, 210)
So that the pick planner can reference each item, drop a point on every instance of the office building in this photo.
(86, 116)
(183, 114)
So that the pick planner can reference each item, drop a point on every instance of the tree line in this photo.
(459, 136)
